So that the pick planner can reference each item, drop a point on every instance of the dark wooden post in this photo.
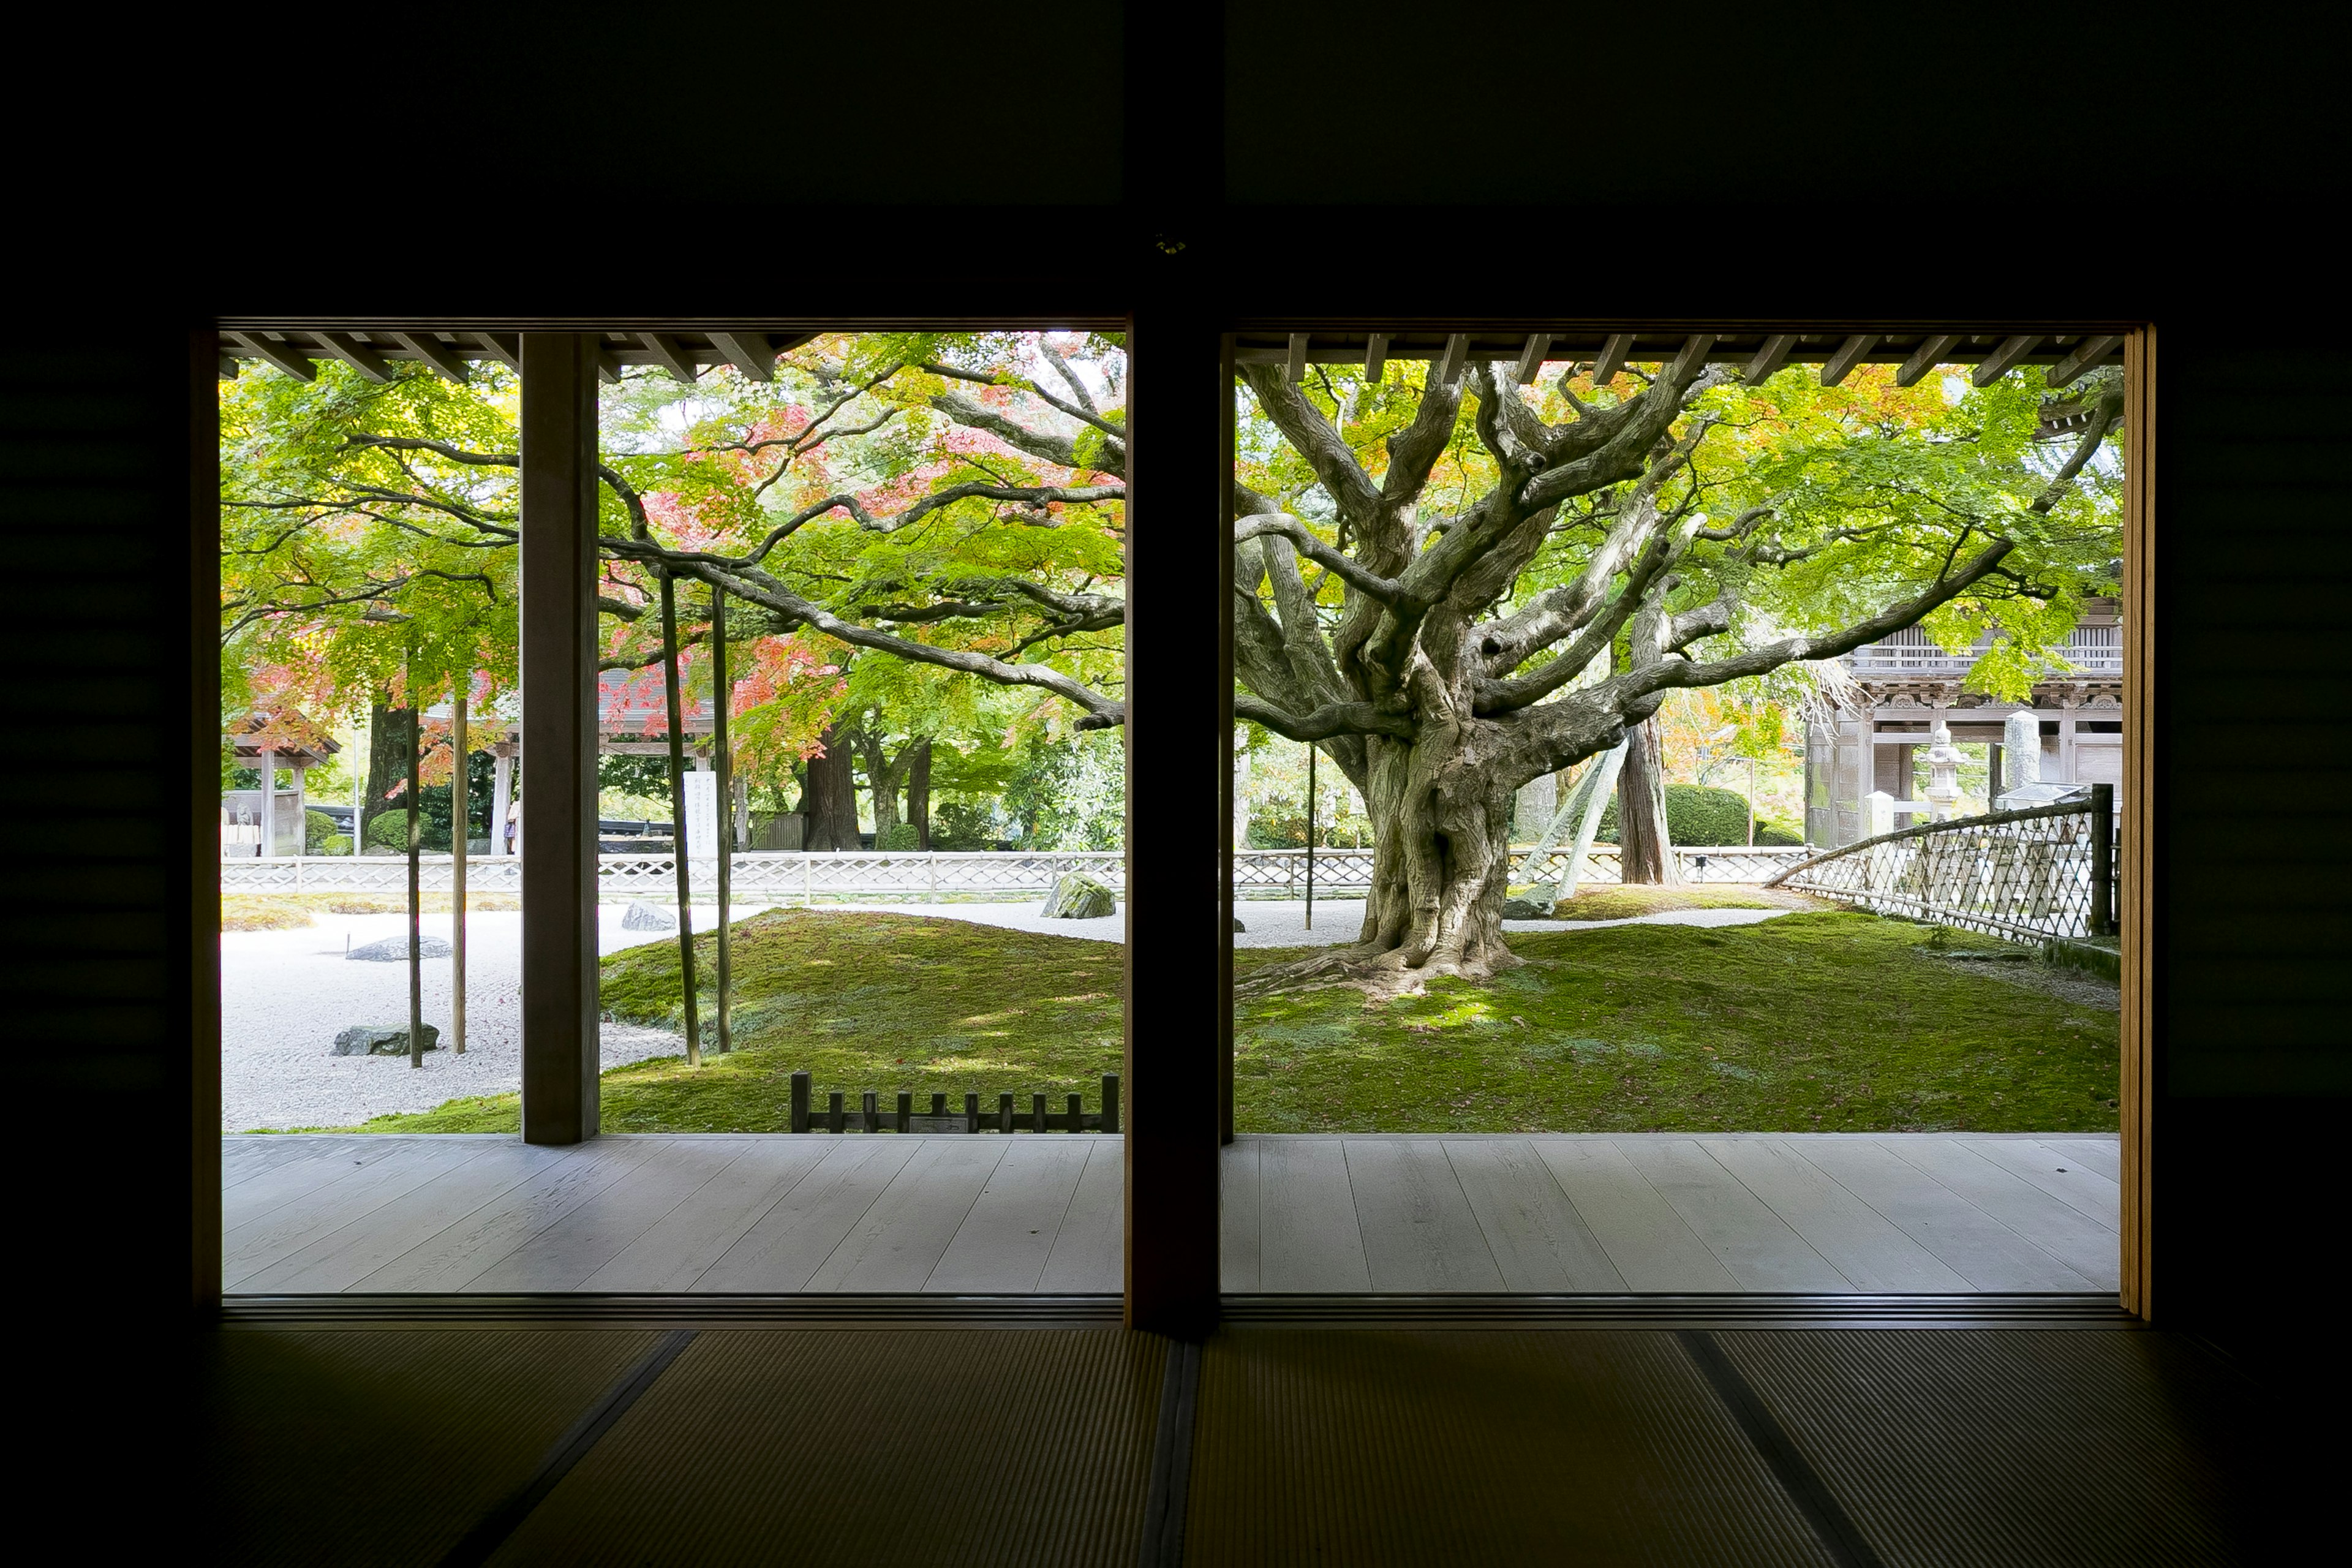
(1110, 1103)
(2101, 919)
(1179, 801)
(800, 1122)
(906, 1110)
(678, 820)
(558, 734)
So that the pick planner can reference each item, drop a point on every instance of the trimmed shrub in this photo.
(316, 828)
(1699, 815)
(902, 837)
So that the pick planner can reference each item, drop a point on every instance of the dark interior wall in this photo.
(1685, 161)
(2255, 1059)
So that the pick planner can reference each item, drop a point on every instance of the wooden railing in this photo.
(870, 1117)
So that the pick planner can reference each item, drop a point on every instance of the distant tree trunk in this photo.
(1645, 847)
(918, 791)
(387, 771)
(829, 797)
(881, 783)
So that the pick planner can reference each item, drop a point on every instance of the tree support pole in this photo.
(559, 1055)
(723, 695)
(1311, 749)
(677, 817)
(416, 888)
(460, 826)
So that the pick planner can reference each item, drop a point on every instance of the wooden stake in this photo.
(677, 817)
(460, 824)
(1311, 749)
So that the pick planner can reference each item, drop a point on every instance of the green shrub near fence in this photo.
(1700, 814)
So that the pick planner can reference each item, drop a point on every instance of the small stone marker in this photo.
(1237, 924)
(643, 916)
(394, 950)
(1078, 897)
(381, 1040)
(1535, 904)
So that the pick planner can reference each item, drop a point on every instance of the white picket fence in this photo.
(882, 877)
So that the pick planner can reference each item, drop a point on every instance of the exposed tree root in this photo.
(1380, 974)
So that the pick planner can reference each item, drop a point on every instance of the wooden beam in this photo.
(1294, 369)
(1770, 358)
(1849, 354)
(227, 371)
(356, 355)
(1531, 357)
(1996, 364)
(504, 347)
(665, 348)
(432, 351)
(608, 363)
(285, 356)
(2087, 353)
(1376, 356)
(1449, 364)
(1612, 359)
(1925, 358)
(750, 352)
(1694, 353)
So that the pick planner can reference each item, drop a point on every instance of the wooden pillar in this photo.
(501, 792)
(559, 731)
(269, 760)
(1179, 946)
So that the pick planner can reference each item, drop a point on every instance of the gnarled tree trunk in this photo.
(918, 791)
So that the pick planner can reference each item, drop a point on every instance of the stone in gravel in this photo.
(1237, 923)
(394, 950)
(643, 916)
(1078, 897)
(380, 1040)
(1526, 909)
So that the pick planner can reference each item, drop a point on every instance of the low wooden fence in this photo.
(870, 1117)
(2041, 874)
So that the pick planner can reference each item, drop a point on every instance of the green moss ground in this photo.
(1830, 1022)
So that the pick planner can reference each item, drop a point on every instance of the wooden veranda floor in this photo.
(1557, 1213)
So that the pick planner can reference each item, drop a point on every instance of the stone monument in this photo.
(1943, 776)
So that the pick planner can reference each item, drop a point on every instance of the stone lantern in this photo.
(1943, 777)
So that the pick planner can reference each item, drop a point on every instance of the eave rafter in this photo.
(1986, 350)
(376, 351)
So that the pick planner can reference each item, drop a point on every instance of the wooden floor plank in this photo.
(677, 1248)
(1539, 1240)
(2090, 1248)
(1644, 1237)
(324, 1161)
(1002, 1244)
(1858, 1241)
(794, 1237)
(243, 1158)
(364, 1191)
(1419, 1232)
(562, 1256)
(902, 1237)
(453, 1256)
(1237, 1243)
(2086, 1192)
(1973, 1244)
(1755, 1244)
(2103, 1156)
(1309, 1238)
(1089, 1257)
(341, 1259)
